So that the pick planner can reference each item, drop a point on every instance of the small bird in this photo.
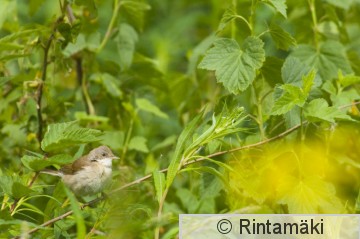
(89, 174)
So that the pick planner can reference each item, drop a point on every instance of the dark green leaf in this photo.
(324, 59)
(282, 39)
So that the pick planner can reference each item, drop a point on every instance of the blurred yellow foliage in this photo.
(318, 175)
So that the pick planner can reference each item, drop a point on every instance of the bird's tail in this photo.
(52, 172)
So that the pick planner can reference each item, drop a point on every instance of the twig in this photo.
(137, 181)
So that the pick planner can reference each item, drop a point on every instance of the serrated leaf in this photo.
(325, 59)
(282, 38)
(139, 143)
(185, 135)
(291, 96)
(319, 110)
(126, 40)
(293, 70)
(62, 135)
(279, 5)
(310, 195)
(234, 66)
(147, 106)
(308, 82)
(348, 80)
(159, 182)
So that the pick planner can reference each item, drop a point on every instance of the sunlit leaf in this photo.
(279, 5)
(234, 66)
(309, 195)
(319, 110)
(62, 135)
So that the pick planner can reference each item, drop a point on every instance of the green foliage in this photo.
(212, 107)
(235, 67)
(63, 135)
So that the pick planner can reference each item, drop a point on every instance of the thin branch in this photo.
(283, 134)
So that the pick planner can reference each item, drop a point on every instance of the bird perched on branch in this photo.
(89, 174)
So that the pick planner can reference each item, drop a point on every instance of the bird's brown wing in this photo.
(75, 166)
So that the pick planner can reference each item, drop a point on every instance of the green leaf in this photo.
(13, 188)
(344, 4)
(159, 182)
(235, 67)
(308, 82)
(138, 143)
(126, 40)
(37, 163)
(271, 70)
(279, 5)
(19, 190)
(147, 106)
(62, 135)
(111, 86)
(228, 16)
(325, 59)
(4, 80)
(282, 38)
(293, 70)
(292, 95)
(348, 80)
(185, 136)
(135, 10)
(319, 110)
(80, 222)
(310, 195)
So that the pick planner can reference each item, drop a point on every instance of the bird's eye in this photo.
(104, 154)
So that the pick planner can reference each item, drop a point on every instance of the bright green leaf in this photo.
(62, 135)
(292, 95)
(348, 80)
(19, 190)
(184, 137)
(310, 195)
(147, 106)
(234, 66)
(159, 182)
(282, 38)
(319, 110)
(279, 5)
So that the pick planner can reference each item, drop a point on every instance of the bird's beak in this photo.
(114, 157)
